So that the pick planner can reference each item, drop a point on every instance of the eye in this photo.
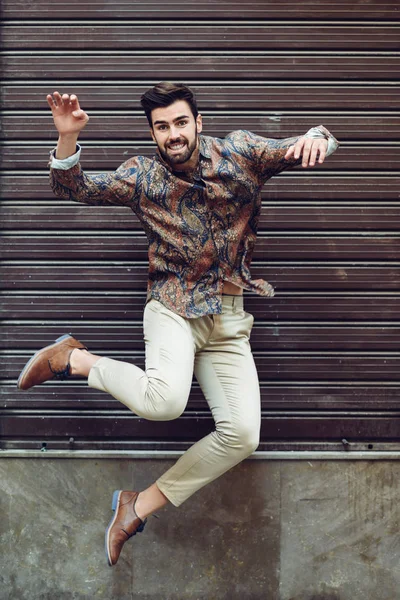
(182, 123)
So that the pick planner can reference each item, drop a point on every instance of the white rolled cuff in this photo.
(65, 163)
(317, 133)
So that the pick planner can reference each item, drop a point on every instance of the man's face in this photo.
(175, 132)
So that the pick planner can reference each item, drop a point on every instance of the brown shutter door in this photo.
(327, 346)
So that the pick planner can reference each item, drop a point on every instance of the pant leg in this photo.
(159, 393)
(227, 374)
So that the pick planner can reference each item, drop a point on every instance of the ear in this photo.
(152, 134)
(199, 123)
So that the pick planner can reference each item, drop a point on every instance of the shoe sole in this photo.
(37, 355)
(114, 506)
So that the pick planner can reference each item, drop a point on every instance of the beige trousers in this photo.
(217, 348)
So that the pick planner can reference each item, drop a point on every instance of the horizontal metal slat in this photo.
(203, 9)
(273, 397)
(325, 217)
(217, 67)
(61, 448)
(321, 217)
(133, 277)
(272, 248)
(125, 95)
(347, 158)
(270, 337)
(190, 428)
(353, 127)
(300, 184)
(303, 367)
(63, 307)
(188, 36)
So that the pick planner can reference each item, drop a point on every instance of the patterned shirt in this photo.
(202, 229)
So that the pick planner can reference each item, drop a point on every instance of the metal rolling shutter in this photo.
(327, 346)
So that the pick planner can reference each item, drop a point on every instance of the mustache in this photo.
(177, 141)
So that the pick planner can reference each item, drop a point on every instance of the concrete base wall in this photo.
(271, 530)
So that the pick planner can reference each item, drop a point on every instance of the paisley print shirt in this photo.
(201, 231)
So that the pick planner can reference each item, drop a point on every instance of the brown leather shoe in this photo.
(51, 361)
(124, 524)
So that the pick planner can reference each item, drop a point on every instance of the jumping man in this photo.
(199, 202)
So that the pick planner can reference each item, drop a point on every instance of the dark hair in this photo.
(166, 93)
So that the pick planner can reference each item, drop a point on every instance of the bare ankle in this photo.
(81, 361)
(149, 501)
(74, 361)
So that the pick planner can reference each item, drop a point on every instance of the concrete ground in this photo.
(268, 529)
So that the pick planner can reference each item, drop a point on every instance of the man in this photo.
(199, 202)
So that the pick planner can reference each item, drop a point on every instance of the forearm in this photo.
(66, 146)
(66, 178)
(74, 184)
(271, 156)
(71, 184)
(68, 181)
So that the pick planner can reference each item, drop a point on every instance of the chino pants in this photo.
(217, 349)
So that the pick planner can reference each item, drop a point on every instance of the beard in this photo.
(184, 155)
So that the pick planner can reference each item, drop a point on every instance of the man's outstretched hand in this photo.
(69, 118)
(309, 149)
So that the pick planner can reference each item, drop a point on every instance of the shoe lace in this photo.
(138, 530)
(61, 373)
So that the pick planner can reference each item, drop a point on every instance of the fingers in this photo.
(322, 151)
(313, 154)
(318, 148)
(74, 103)
(296, 149)
(76, 109)
(309, 149)
(79, 114)
(289, 153)
(53, 100)
(56, 101)
(50, 101)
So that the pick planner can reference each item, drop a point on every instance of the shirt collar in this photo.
(205, 145)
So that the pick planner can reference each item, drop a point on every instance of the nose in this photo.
(174, 133)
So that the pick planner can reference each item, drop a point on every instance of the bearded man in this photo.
(199, 202)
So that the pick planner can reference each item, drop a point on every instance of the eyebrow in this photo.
(166, 122)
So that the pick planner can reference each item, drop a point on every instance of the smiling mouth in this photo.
(176, 147)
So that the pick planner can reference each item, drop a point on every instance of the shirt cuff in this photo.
(322, 132)
(65, 163)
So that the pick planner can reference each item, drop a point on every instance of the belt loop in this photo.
(234, 304)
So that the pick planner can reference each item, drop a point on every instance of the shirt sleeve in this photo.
(268, 154)
(120, 188)
(65, 163)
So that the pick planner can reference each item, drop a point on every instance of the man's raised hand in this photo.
(309, 149)
(69, 118)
